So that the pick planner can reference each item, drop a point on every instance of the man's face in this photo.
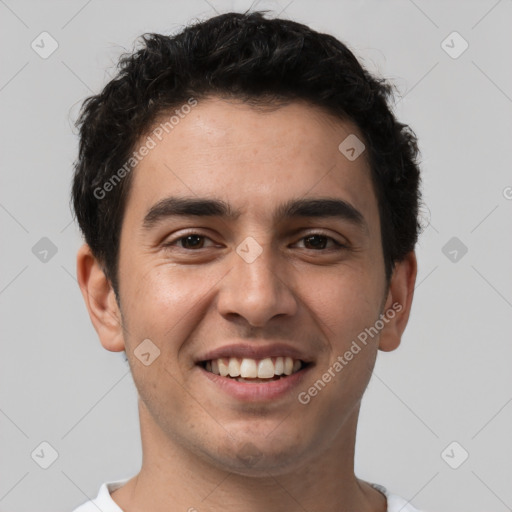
(259, 284)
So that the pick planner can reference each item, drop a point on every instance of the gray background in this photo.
(449, 381)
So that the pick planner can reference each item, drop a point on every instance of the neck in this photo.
(171, 474)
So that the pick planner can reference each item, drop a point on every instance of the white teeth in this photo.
(223, 367)
(279, 369)
(266, 368)
(288, 365)
(247, 368)
(234, 367)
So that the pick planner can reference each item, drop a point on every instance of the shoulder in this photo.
(395, 503)
(103, 500)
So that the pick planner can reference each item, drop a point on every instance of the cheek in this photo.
(164, 305)
(353, 307)
(345, 302)
(165, 302)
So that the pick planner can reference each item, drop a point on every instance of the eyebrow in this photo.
(294, 208)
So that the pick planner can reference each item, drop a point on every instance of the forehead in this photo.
(251, 158)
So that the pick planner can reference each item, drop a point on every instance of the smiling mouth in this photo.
(254, 370)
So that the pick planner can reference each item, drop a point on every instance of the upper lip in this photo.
(252, 351)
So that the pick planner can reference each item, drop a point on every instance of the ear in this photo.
(398, 302)
(100, 300)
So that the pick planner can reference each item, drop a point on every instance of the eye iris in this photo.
(198, 239)
(321, 245)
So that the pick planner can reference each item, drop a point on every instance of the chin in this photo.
(258, 456)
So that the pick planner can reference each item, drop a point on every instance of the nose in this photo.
(256, 290)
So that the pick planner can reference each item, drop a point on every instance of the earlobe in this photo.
(100, 300)
(398, 302)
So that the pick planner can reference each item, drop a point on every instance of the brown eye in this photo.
(192, 241)
(318, 241)
(189, 242)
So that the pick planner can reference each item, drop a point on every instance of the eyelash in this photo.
(339, 246)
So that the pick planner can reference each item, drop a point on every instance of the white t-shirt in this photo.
(105, 503)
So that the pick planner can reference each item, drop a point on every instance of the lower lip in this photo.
(258, 392)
